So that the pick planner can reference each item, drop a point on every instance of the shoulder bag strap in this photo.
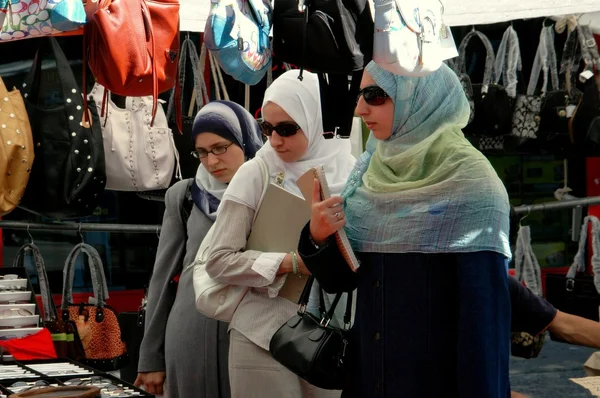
(526, 264)
(48, 304)
(569, 64)
(545, 60)
(508, 62)
(461, 64)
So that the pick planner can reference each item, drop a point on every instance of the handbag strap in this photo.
(526, 264)
(47, 303)
(545, 60)
(68, 84)
(326, 316)
(569, 64)
(200, 94)
(508, 62)
(579, 261)
(96, 270)
(461, 63)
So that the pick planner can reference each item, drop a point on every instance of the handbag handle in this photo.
(545, 59)
(579, 262)
(326, 316)
(569, 64)
(69, 87)
(508, 62)
(98, 279)
(47, 303)
(189, 51)
(461, 63)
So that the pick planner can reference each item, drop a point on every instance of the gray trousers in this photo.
(253, 373)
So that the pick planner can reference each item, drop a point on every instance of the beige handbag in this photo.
(214, 299)
(16, 158)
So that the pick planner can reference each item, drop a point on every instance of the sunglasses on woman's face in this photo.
(283, 129)
(373, 95)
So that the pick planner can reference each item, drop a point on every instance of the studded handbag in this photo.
(139, 157)
(17, 155)
(69, 169)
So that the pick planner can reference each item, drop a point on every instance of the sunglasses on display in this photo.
(22, 386)
(14, 312)
(282, 130)
(373, 95)
(5, 289)
(14, 302)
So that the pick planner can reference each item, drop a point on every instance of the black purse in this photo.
(69, 171)
(312, 348)
(326, 36)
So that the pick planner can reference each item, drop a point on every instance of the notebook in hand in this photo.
(277, 226)
(305, 183)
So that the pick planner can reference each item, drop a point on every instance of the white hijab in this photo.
(301, 100)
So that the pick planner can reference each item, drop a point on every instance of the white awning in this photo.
(457, 12)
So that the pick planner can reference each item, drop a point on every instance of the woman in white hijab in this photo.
(292, 121)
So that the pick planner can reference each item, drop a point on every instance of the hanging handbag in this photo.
(69, 171)
(323, 36)
(584, 125)
(410, 37)
(493, 107)
(26, 19)
(237, 31)
(526, 265)
(527, 114)
(138, 157)
(213, 299)
(313, 349)
(559, 105)
(133, 45)
(16, 158)
(578, 293)
(64, 332)
(97, 324)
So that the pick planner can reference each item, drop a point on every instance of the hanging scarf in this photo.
(426, 188)
(233, 122)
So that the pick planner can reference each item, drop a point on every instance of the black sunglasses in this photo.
(373, 95)
(283, 129)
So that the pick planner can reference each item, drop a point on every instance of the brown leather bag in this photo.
(16, 157)
(133, 46)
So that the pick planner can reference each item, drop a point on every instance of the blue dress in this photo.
(426, 325)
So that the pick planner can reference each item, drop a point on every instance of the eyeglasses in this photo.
(12, 289)
(14, 312)
(218, 150)
(22, 386)
(108, 387)
(15, 302)
(373, 95)
(283, 129)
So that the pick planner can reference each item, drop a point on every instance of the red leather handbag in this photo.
(133, 46)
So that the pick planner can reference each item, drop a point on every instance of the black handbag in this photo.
(333, 36)
(493, 108)
(69, 171)
(313, 349)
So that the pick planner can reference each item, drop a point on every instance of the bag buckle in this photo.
(301, 309)
(301, 6)
(570, 285)
(324, 321)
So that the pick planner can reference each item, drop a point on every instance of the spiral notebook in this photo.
(305, 183)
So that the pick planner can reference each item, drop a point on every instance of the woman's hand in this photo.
(327, 216)
(152, 382)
